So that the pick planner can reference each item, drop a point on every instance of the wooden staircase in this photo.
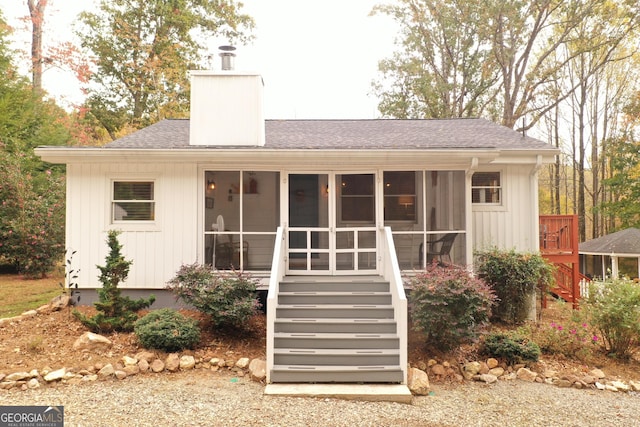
(338, 329)
(559, 246)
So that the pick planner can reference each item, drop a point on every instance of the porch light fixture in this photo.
(211, 185)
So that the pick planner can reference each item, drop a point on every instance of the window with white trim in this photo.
(133, 201)
(486, 188)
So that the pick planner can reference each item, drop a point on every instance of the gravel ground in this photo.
(200, 398)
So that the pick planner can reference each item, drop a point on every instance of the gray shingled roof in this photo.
(621, 242)
(353, 134)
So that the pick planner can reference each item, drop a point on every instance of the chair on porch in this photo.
(439, 249)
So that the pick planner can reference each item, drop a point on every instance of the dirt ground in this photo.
(46, 341)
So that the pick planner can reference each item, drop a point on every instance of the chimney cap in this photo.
(227, 56)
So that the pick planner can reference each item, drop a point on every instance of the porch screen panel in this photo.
(434, 227)
(241, 215)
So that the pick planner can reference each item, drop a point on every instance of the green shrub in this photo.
(168, 330)
(449, 306)
(613, 307)
(513, 349)
(514, 276)
(570, 335)
(228, 297)
(115, 312)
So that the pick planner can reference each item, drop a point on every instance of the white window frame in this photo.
(133, 225)
(499, 187)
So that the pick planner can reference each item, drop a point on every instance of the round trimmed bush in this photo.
(449, 306)
(512, 348)
(168, 330)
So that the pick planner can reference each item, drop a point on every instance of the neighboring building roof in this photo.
(352, 134)
(621, 242)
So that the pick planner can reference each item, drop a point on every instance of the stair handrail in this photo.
(277, 274)
(391, 273)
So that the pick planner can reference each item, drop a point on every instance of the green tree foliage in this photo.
(31, 192)
(624, 184)
(514, 276)
(489, 57)
(613, 307)
(115, 312)
(143, 50)
(445, 68)
(31, 216)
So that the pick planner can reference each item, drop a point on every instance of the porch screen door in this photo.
(309, 233)
(332, 221)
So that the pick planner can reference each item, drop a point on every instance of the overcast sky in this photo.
(317, 58)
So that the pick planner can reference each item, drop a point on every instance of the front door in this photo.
(331, 228)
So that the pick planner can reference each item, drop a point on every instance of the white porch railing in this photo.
(278, 269)
(391, 272)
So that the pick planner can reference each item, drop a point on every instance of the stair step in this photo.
(335, 325)
(367, 285)
(314, 311)
(342, 374)
(336, 340)
(324, 297)
(336, 357)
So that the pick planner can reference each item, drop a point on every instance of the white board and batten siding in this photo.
(513, 225)
(158, 248)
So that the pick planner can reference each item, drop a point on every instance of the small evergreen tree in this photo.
(115, 312)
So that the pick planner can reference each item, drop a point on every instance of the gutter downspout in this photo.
(534, 246)
(469, 216)
(533, 184)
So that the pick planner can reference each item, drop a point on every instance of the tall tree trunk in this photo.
(558, 165)
(36, 11)
(581, 160)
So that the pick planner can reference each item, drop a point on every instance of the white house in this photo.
(305, 205)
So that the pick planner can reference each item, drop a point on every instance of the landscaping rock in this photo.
(107, 371)
(146, 356)
(418, 382)
(131, 370)
(492, 363)
(526, 374)
(120, 374)
(33, 383)
(157, 366)
(470, 369)
(258, 370)
(619, 385)
(60, 302)
(55, 375)
(497, 371)
(143, 365)
(129, 361)
(187, 362)
(242, 363)
(486, 378)
(172, 362)
(92, 342)
(597, 374)
(438, 370)
(17, 376)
